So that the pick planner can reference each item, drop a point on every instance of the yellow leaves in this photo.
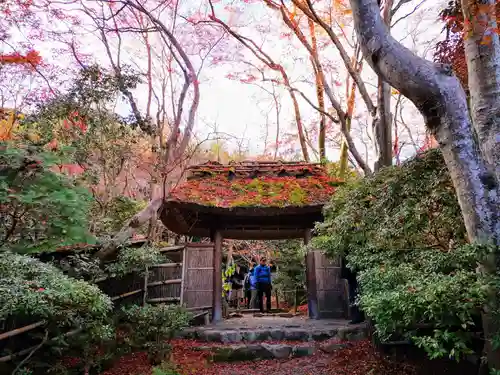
(8, 123)
(293, 15)
(33, 137)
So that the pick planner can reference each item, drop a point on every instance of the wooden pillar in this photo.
(217, 279)
(312, 295)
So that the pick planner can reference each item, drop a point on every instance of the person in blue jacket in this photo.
(262, 275)
(251, 288)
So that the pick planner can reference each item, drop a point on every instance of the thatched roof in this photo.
(270, 196)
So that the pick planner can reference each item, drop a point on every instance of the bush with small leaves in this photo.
(135, 260)
(40, 209)
(151, 327)
(74, 313)
(403, 231)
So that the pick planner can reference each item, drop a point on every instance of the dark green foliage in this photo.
(110, 219)
(93, 90)
(403, 230)
(40, 209)
(151, 327)
(135, 260)
(31, 291)
(290, 260)
(31, 288)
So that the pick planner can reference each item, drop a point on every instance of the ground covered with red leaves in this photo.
(359, 359)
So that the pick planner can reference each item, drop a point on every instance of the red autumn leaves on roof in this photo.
(267, 191)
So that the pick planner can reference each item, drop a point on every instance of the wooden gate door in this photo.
(326, 289)
(197, 281)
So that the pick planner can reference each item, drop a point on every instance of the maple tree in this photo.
(452, 50)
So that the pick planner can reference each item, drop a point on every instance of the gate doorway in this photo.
(252, 201)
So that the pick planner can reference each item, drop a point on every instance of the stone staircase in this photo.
(273, 338)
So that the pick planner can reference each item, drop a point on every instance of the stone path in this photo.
(273, 337)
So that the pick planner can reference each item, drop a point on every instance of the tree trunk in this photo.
(344, 156)
(382, 129)
(439, 96)
(127, 231)
(319, 94)
(382, 126)
(482, 50)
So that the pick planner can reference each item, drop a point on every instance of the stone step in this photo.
(228, 336)
(263, 351)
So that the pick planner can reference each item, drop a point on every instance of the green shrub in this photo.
(165, 369)
(403, 231)
(135, 260)
(290, 276)
(31, 291)
(151, 327)
(114, 215)
(39, 208)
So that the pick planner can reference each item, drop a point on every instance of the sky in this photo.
(245, 111)
(234, 108)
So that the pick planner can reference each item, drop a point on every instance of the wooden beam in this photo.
(164, 282)
(18, 331)
(311, 283)
(124, 295)
(307, 236)
(166, 265)
(217, 279)
(183, 274)
(171, 248)
(164, 299)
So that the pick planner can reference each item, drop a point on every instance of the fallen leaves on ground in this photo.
(358, 359)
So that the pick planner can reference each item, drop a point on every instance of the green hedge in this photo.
(402, 230)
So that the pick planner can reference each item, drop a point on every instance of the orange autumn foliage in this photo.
(32, 58)
(217, 188)
(451, 50)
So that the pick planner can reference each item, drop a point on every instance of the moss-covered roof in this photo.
(256, 184)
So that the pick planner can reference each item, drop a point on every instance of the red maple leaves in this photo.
(75, 120)
(32, 58)
(267, 191)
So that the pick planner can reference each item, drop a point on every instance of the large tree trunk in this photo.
(439, 96)
(482, 50)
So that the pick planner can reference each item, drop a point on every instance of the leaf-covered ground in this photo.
(360, 359)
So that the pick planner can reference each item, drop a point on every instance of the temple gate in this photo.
(252, 201)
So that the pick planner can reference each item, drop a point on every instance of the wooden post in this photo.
(145, 295)
(183, 275)
(217, 279)
(312, 295)
(295, 301)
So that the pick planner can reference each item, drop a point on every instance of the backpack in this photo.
(247, 281)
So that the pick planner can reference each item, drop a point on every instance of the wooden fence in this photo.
(161, 283)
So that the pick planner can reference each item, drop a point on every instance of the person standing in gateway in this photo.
(262, 276)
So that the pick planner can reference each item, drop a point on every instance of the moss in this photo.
(298, 196)
(256, 192)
